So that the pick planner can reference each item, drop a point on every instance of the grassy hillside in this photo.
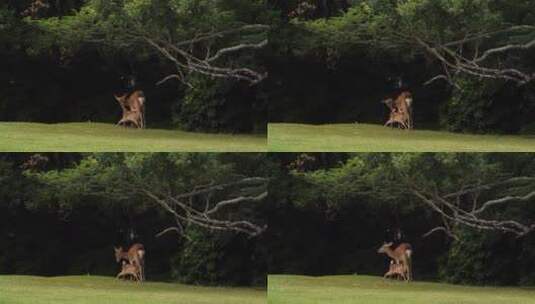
(375, 138)
(285, 289)
(97, 137)
(104, 290)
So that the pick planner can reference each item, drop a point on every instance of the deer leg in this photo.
(389, 123)
(139, 268)
(409, 123)
(137, 277)
(411, 118)
(143, 118)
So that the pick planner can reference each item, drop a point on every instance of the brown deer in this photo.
(396, 116)
(129, 271)
(133, 106)
(396, 270)
(400, 110)
(134, 256)
(402, 254)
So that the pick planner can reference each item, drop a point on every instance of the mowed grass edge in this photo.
(100, 137)
(353, 289)
(107, 290)
(284, 137)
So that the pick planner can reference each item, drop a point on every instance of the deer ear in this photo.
(389, 244)
(117, 97)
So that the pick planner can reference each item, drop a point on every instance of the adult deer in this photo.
(133, 106)
(135, 256)
(402, 254)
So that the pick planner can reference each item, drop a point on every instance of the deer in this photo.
(400, 110)
(135, 256)
(133, 106)
(402, 254)
(129, 270)
(396, 116)
(396, 270)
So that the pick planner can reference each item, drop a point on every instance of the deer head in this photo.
(389, 103)
(120, 99)
(386, 247)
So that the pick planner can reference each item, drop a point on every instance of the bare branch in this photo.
(505, 200)
(443, 229)
(237, 200)
(505, 48)
(236, 48)
(186, 56)
(438, 77)
(169, 77)
(465, 56)
(196, 208)
(463, 207)
(170, 229)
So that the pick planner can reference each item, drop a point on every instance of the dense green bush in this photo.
(214, 258)
(198, 260)
(469, 107)
(487, 107)
(489, 259)
(220, 106)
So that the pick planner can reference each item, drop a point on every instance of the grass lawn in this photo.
(107, 290)
(376, 138)
(286, 289)
(98, 137)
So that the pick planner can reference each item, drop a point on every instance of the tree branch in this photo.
(206, 214)
(186, 57)
(454, 212)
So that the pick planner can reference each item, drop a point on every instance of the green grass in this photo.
(285, 289)
(105, 290)
(98, 137)
(375, 138)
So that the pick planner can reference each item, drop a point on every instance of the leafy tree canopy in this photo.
(471, 37)
(200, 189)
(488, 190)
